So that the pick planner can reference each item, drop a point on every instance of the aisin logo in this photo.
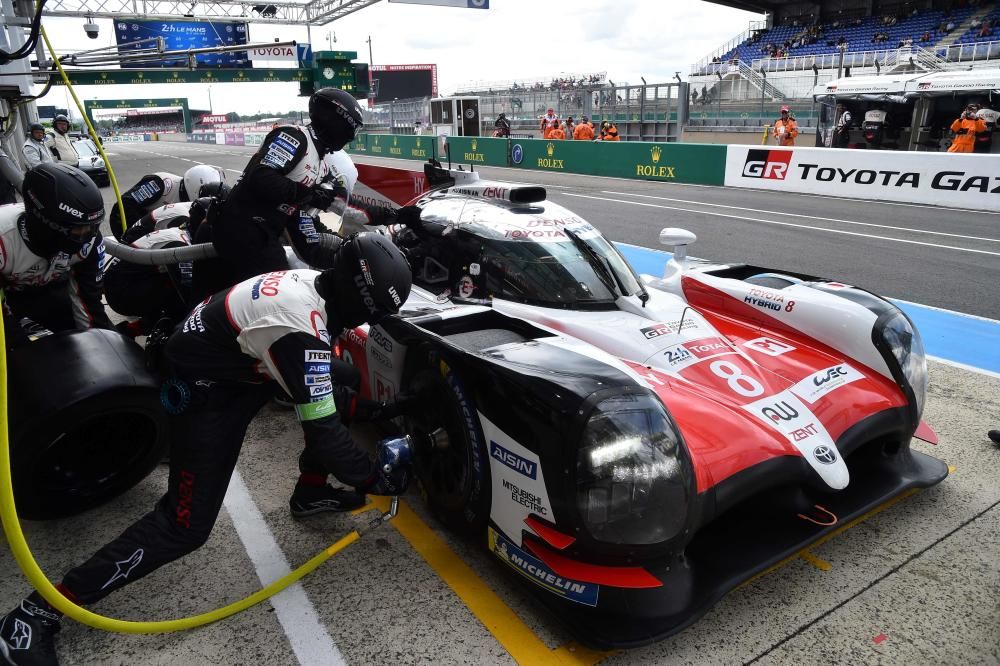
(655, 153)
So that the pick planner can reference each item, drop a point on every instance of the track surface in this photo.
(915, 583)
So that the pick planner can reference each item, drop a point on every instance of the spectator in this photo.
(556, 133)
(966, 127)
(502, 126)
(612, 133)
(548, 120)
(34, 150)
(785, 128)
(569, 128)
(584, 131)
(986, 30)
(926, 37)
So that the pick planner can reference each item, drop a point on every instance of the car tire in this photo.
(451, 462)
(86, 423)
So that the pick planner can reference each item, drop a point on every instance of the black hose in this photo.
(25, 49)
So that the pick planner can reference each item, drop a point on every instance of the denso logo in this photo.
(514, 461)
(768, 164)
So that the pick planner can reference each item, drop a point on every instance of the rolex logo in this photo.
(376, 140)
(550, 149)
(394, 140)
(655, 152)
(418, 142)
(474, 142)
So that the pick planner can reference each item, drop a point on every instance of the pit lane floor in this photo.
(916, 582)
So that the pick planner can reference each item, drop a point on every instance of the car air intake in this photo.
(518, 194)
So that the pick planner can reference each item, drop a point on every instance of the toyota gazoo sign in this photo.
(946, 179)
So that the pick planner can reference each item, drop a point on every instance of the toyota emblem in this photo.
(825, 454)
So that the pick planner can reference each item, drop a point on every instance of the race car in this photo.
(633, 447)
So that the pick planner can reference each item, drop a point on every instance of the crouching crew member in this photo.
(160, 188)
(50, 252)
(226, 359)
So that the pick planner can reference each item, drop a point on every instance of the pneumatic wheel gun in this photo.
(392, 453)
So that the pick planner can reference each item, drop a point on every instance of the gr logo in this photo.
(769, 164)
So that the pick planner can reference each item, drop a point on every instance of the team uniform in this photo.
(151, 192)
(59, 292)
(226, 358)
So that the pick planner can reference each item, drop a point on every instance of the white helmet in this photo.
(197, 177)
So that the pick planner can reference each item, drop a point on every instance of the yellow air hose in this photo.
(19, 546)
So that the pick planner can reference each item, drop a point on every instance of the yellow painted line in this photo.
(817, 562)
(524, 646)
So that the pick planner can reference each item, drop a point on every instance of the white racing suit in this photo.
(61, 292)
(227, 358)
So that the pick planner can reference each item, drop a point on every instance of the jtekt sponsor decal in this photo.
(768, 164)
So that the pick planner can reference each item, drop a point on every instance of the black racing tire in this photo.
(455, 479)
(86, 422)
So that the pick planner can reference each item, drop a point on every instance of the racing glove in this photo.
(409, 216)
(387, 483)
(321, 198)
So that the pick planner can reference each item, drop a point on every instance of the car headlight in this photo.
(633, 475)
(903, 341)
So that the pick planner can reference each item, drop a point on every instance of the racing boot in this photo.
(26, 634)
(313, 495)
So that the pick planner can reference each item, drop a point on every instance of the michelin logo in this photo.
(536, 571)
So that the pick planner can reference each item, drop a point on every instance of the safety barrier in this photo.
(943, 179)
(228, 138)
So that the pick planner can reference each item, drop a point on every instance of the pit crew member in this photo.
(60, 143)
(156, 189)
(226, 359)
(34, 149)
(785, 128)
(286, 182)
(50, 251)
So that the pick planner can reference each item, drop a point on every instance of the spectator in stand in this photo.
(556, 133)
(986, 30)
(785, 128)
(584, 130)
(569, 127)
(612, 133)
(966, 127)
(926, 37)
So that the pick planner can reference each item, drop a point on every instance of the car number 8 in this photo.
(745, 385)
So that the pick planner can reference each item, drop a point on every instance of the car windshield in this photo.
(580, 272)
(84, 148)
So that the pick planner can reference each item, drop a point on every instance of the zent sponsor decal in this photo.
(815, 386)
(514, 461)
(768, 346)
(539, 573)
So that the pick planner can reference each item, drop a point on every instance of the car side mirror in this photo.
(678, 239)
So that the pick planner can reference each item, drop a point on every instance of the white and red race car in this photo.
(634, 446)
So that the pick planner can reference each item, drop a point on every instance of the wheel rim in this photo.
(446, 472)
(93, 458)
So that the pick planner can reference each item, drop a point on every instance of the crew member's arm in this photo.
(301, 364)
(793, 131)
(85, 289)
(306, 236)
(283, 148)
(956, 126)
(32, 155)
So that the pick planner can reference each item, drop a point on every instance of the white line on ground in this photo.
(306, 634)
(963, 366)
(784, 224)
(805, 215)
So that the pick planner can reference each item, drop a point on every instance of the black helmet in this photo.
(336, 117)
(35, 127)
(369, 280)
(63, 208)
(61, 117)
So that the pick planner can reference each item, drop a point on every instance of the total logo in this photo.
(767, 164)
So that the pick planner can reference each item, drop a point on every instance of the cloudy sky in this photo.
(513, 40)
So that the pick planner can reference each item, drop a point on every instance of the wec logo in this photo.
(768, 164)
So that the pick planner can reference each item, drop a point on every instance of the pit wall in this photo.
(944, 179)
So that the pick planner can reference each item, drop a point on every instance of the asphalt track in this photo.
(915, 582)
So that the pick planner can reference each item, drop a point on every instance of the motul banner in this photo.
(945, 179)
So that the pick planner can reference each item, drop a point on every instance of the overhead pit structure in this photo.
(311, 13)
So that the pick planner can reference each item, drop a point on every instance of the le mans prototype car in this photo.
(633, 446)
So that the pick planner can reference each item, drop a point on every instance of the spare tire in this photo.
(85, 421)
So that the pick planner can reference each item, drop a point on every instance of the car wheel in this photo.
(86, 422)
(450, 460)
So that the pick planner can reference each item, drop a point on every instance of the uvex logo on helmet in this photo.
(72, 211)
(366, 296)
(346, 115)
